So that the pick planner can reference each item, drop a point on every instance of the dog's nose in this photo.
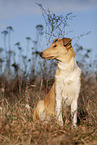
(41, 54)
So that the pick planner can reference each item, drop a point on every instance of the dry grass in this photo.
(16, 122)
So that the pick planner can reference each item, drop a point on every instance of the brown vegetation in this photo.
(16, 122)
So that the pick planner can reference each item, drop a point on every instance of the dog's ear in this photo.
(67, 42)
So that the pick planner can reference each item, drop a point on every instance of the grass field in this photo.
(16, 122)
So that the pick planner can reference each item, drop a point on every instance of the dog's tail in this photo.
(35, 116)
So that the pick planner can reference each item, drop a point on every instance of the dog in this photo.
(66, 88)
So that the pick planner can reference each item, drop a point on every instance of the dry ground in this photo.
(16, 122)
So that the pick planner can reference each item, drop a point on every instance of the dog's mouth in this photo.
(46, 57)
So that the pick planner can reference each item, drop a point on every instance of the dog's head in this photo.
(60, 50)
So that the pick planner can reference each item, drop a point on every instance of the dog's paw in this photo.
(60, 122)
(74, 126)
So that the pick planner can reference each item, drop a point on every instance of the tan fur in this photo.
(66, 87)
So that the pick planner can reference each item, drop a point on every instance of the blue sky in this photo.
(24, 15)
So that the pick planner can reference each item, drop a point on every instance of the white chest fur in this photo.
(68, 82)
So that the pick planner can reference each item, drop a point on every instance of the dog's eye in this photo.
(56, 40)
(55, 45)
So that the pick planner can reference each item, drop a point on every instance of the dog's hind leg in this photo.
(39, 112)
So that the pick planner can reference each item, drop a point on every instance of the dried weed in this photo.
(16, 122)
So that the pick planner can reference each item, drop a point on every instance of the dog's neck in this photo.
(71, 65)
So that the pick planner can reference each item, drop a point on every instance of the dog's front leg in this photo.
(59, 111)
(59, 106)
(74, 112)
